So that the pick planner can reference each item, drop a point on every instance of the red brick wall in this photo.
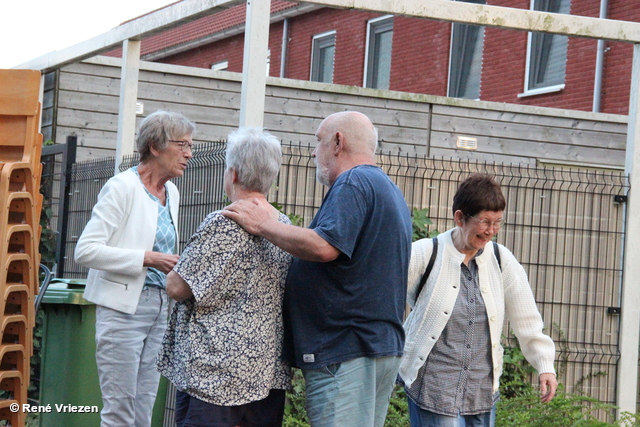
(420, 60)
(275, 46)
(505, 63)
(230, 49)
(617, 61)
(351, 29)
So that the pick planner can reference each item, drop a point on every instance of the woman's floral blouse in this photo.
(224, 345)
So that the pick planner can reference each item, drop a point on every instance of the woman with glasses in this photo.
(453, 357)
(130, 244)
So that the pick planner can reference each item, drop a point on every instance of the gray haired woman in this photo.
(129, 244)
(223, 346)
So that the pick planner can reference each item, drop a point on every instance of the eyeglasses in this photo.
(185, 146)
(484, 224)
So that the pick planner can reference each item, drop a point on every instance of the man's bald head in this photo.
(357, 130)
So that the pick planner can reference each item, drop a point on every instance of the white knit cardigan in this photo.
(505, 293)
(122, 227)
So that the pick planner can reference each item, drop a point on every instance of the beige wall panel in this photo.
(342, 96)
(90, 84)
(441, 152)
(92, 69)
(84, 101)
(293, 111)
(190, 81)
(518, 148)
(188, 95)
(529, 132)
(608, 123)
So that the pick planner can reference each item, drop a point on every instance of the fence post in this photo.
(68, 160)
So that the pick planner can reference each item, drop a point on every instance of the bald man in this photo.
(345, 292)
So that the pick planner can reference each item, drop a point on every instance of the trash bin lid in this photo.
(66, 291)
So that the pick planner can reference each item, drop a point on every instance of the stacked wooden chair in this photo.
(20, 206)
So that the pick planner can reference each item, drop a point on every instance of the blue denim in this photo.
(351, 393)
(422, 418)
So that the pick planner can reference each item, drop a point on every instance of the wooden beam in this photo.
(500, 17)
(254, 63)
(627, 389)
(128, 98)
(164, 19)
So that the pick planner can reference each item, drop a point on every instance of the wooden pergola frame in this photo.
(129, 35)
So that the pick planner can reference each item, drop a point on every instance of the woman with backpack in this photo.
(462, 287)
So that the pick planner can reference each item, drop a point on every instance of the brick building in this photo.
(365, 49)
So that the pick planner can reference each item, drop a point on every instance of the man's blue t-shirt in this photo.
(353, 306)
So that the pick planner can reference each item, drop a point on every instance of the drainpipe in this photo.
(597, 87)
(285, 43)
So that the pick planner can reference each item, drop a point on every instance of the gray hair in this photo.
(256, 156)
(158, 128)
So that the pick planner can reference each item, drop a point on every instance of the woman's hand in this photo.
(160, 261)
(177, 288)
(548, 386)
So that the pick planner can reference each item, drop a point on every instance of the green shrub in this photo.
(420, 222)
(295, 414)
(398, 413)
(516, 374)
(565, 410)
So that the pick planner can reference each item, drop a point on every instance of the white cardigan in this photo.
(505, 293)
(122, 227)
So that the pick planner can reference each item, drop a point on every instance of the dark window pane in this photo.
(379, 54)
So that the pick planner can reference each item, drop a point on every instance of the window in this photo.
(220, 66)
(322, 52)
(465, 59)
(547, 53)
(377, 62)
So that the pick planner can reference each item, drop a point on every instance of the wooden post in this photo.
(627, 389)
(254, 63)
(128, 99)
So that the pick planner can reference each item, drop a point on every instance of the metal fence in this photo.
(564, 226)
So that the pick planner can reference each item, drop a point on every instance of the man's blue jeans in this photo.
(351, 393)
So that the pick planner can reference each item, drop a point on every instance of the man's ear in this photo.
(339, 144)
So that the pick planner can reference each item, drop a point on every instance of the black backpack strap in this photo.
(427, 271)
(496, 250)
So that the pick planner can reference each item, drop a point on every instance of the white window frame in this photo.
(220, 66)
(268, 61)
(317, 40)
(372, 25)
(540, 90)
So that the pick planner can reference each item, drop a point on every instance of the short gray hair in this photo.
(158, 128)
(256, 156)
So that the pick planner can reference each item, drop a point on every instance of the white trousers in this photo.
(126, 349)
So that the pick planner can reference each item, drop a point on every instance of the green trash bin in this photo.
(68, 371)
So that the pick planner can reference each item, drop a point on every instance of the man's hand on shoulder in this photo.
(254, 215)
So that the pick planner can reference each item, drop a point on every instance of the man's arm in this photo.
(258, 217)
(177, 288)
